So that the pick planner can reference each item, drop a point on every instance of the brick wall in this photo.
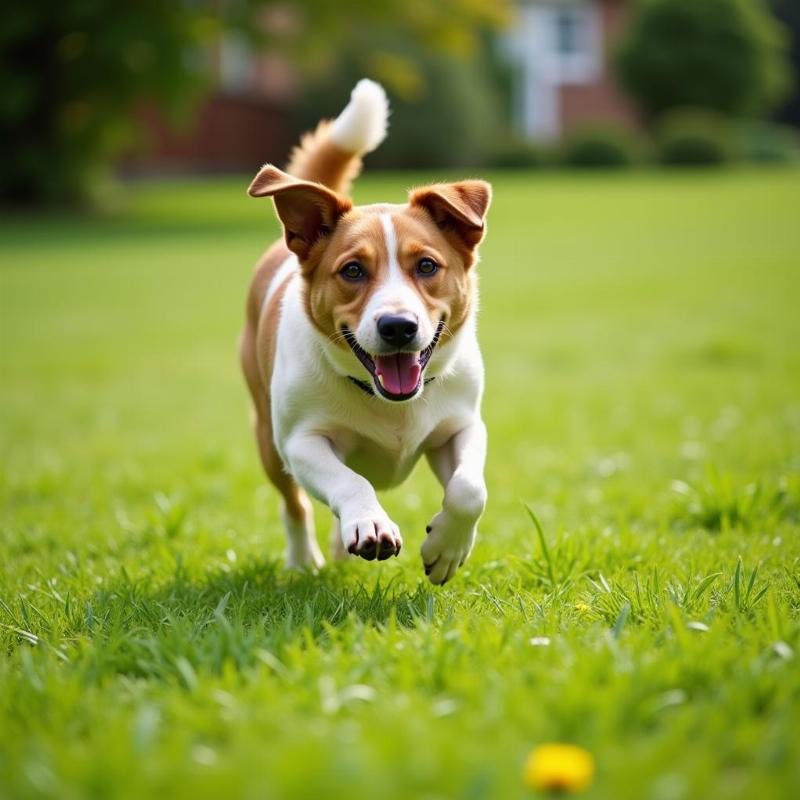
(227, 133)
(602, 101)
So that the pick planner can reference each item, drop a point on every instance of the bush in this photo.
(518, 154)
(768, 142)
(451, 118)
(600, 147)
(725, 55)
(694, 137)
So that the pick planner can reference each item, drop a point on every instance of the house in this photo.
(560, 52)
(241, 123)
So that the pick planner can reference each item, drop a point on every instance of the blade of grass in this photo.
(543, 543)
(737, 577)
(704, 585)
(622, 618)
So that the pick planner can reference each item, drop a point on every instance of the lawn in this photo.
(641, 341)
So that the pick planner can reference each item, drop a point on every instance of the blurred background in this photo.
(89, 94)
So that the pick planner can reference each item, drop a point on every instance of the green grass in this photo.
(641, 340)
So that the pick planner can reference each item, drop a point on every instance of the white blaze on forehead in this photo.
(395, 273)
(395, 294)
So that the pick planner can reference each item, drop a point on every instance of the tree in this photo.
(74, 72)
(724, 55)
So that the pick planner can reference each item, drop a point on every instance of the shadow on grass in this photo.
(247, 616)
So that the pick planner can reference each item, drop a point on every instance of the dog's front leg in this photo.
(366, 529)
(458, 464)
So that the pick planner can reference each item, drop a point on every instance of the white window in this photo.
(553, 44)
(575, 39)
(570, 31)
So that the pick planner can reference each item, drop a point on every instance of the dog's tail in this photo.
(332, 153)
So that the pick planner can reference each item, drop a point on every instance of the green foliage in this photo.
(726, 55)
(767, 142)
(75, 73)
(449, 116)
(694, 137)
(453, 122)
(600, 147)
(317, 34)
(519, 154)
(638, 329)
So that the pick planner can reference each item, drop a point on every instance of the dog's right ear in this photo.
(457, 208)
(307, 210)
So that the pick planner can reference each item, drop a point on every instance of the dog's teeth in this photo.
(380, 380)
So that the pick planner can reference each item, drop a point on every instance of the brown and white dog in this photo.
(360, 348)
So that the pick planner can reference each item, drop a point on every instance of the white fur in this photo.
(361, 127)
(395, 273)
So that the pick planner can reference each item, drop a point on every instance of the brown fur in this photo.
(318, 159)
(309, 211)
(257, 353)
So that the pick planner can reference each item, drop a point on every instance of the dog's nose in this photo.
(397, 330)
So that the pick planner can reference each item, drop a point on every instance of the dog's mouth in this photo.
(397, 376)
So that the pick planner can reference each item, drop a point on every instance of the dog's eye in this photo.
(352, 271)
(427, 266)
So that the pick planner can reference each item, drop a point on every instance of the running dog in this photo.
(360, 347)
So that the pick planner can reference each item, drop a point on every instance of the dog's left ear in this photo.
(307, 210)
(457, 208)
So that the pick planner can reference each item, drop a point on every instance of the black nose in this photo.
(397, 330)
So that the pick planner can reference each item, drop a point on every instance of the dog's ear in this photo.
(307, 210)
(457, 208)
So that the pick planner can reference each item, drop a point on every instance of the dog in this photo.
(360, 348)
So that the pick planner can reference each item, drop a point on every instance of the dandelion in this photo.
(582, 608)
(559, 767)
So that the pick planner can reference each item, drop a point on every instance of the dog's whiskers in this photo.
(337, 337)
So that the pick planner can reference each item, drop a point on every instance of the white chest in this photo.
(378, 439)
(383, 443)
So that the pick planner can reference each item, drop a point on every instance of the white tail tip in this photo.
(361, 127)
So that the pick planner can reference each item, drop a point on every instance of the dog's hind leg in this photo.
(296, 511)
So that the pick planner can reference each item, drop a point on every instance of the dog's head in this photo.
(385, 284)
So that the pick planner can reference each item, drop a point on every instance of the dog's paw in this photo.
(371, 535)
(446, 547)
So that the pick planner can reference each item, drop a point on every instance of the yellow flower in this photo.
(560, 767)
(582, 607)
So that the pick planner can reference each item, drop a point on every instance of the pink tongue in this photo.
(399, 372)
